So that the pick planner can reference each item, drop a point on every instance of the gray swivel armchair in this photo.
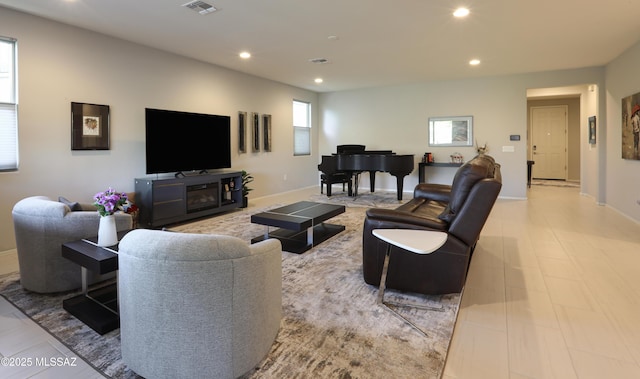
(41, 227)
(197, 305)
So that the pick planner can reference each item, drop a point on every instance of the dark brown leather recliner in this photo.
(460, 210)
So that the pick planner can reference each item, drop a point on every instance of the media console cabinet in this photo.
(172, 200)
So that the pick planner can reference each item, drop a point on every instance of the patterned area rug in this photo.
(364, 199)
(332, 326)
(554, 183)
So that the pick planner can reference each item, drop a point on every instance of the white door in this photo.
(549, 142)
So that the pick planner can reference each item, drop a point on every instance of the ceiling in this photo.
(367, 43)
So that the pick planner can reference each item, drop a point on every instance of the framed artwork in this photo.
(451, 131)
(89, 126)
(631, 127)
(255, 126)
(266, 132)
(592, 130)
(242, 132)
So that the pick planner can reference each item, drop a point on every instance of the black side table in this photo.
(97, 308)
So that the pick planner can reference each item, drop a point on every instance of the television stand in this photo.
(173, 200)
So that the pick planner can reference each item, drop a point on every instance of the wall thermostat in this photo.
(514, 137)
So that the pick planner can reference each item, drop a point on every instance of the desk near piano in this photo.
(351, 160)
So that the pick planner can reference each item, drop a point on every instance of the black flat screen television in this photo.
(183, 141)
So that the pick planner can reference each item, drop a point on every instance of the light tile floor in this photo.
(553, 292)
(27, 351)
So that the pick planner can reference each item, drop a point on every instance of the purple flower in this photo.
(109, 201)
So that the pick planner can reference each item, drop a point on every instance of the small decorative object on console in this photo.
(482, 149)
(457, 158)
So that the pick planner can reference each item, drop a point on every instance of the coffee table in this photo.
(97, 308)
(301, 224)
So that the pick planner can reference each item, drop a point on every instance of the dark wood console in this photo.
(423, 165)
(172, 200)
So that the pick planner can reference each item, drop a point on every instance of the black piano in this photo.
(355, 161)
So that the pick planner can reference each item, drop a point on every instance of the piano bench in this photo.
(336, 179)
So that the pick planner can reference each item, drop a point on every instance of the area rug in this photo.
(332, 326)
(380, 199)
(554, 183)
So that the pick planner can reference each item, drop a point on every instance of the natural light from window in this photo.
(301, 128)
(8, 106)
(442, 132)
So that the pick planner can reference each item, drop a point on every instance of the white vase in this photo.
(107, 233)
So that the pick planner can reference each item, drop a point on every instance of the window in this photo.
(301, 128)
(8, 105)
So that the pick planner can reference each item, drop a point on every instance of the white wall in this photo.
(396, 118)
(59, 64)
(593, 178)
(623, 176)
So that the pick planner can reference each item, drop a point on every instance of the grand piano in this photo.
(356, 160)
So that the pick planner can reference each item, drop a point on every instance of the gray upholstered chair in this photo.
(197, 305)
(41, 227)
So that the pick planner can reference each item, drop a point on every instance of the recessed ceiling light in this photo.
(474, 62)
(461, 12)
(318, 80)
(245, 55)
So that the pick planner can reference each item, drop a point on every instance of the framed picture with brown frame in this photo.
(89, 126)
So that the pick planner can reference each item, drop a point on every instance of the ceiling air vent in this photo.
(200, 7)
